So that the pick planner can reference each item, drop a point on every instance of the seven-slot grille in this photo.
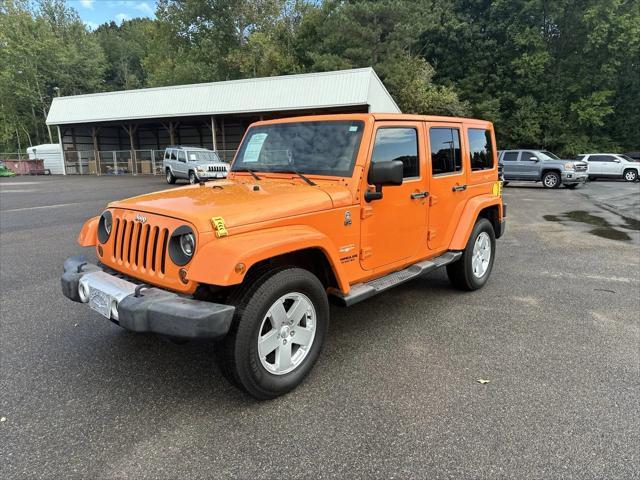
(217, 168)
(140, 246)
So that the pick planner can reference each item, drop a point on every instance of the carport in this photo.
(126, 132)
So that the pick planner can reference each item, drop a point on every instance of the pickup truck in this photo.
(318, 208)
(542, 166)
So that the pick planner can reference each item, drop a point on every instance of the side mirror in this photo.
(534, 159)
(383, 174)
(617, 160)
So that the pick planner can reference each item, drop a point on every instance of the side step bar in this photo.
(362, 291)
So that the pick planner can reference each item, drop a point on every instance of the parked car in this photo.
(542, 166)
(611, 165)
(635, 156)
(308, 213)
(193, 164)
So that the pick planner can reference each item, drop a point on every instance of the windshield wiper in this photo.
(293, 170)
(250, 171)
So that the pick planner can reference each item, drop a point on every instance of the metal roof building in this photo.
(126, 131)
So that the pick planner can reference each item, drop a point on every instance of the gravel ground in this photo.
(395, 393)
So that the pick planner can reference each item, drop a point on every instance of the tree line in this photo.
(558, 74)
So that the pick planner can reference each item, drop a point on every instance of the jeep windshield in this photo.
(311, 148)
(202, 156)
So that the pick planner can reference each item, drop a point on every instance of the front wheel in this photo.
(551, 180)
(630, 175)
(280, 324)
(472, 270)
(192, 178)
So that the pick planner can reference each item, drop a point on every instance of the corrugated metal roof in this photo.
(291, 92)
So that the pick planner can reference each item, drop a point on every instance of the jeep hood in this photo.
(238, 201)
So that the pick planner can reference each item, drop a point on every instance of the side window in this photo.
(601, 158)
(173, 154)
(182, 157)
(510, 157)
(166, 154)
(480, 149)
(526, 156)
(446, 156)
(398, 144)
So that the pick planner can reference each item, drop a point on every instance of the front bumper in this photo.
(210, 175)
(141, 308)
(574, 177)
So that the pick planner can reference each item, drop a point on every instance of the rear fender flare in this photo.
(215, 263)
(469, 216)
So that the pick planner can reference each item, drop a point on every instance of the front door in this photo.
(394, 227)
(448, 182)
(529, 165)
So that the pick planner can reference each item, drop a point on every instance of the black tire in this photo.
(169, 177)
(551, 180)
(592, 178)
(571, 186)
(238, 352)
(630, 175)
(192, 177)
(460, 272)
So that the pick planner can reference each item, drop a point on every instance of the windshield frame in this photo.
(240, 166)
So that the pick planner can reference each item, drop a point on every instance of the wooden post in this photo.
(214, 142)
(96, 148)
(224, 143)
(64, 160)
(131, 129)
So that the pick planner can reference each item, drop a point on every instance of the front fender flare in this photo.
(88, 236)
(469, 216)
(215, 263)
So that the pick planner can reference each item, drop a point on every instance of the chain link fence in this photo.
(106, 162)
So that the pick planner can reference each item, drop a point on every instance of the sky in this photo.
(95, 12)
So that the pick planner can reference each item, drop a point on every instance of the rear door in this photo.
(181, 164)
(394, 227)
(510, 165)
(448, 182)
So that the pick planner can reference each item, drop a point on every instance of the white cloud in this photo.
(87, 4)
(121, 17)
(144, 7)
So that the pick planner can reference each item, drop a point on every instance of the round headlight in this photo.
(187, 244)
(182, 245)
(105, 226)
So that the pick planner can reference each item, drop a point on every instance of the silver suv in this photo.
(193, 164)
(542, 166)
(611, 165)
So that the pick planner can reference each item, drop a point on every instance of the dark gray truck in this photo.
(542, 166)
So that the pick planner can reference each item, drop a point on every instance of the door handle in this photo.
(417, 195)
(459, 188)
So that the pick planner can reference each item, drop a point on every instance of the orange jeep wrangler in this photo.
(339, 207)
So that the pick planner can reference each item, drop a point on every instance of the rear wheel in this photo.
(630, 175)
(170, 178)
(472, 270)
(551, 180)
(280, 324)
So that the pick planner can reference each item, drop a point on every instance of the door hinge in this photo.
(366, 252)
(431, 233)
(433, 200)
(366, 212)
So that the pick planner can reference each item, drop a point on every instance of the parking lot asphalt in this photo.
(395, 394)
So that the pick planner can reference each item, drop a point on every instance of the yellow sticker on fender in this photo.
(218, 224)
(497, 189)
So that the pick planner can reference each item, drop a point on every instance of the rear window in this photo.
(480, 149)
(445, 150)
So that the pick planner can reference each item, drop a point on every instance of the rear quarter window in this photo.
(480, 149)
